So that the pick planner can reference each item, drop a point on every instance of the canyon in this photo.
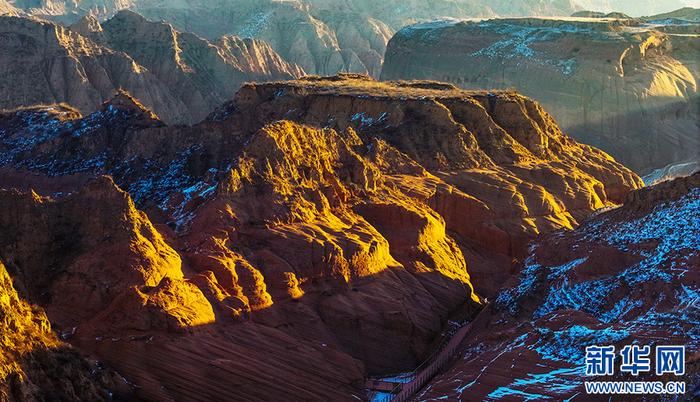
(617, 279)
(180, 76)
(330, 199)
(273, 248)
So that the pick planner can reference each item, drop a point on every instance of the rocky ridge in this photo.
(200, 73)
(323, 42)
(685, 13)
(309, 220)
(34, 363)
(623, 85)
(633, 8)
(624, 276)
(180, 76)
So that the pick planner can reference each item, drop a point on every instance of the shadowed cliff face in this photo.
(302, 236)
(200, 73)
(81, 231)
(321, 36)
(621, 85)
(34, 363)
(180, 76)
(626, 276)
(46, 63)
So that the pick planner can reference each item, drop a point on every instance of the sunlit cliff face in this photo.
(34, 363)
(626, 275)
(303, 218)
(626, 86)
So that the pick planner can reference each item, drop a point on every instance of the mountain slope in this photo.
(621, 85)
(200, 73)
(625, 276)
(34, 363)
(44, 63)
(331, 223)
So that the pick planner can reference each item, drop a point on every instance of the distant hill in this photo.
(598, 14)
(322, 36)
(180, 76)
(634, 8)
(623, 85)
(685, 13)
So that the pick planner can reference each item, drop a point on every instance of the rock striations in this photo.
(7, 8)
(34, 363)
(180, 76)
(200, 73)
(321, 41)
(302, 236)
(626, 276)
(627, 86)
(322, 36)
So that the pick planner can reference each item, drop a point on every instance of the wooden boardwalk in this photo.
(401, 392)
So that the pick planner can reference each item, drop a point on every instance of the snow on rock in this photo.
(627, 276)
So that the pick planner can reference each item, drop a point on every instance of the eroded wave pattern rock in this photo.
(314, 230)
(626, 276)
(626, 86)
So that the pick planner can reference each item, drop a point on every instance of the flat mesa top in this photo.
(568, 24)
(569, 19)
(357, 85)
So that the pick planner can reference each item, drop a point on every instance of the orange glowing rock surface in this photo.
(306, 234)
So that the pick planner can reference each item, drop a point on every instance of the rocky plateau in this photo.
(303, 236)
(628, 86)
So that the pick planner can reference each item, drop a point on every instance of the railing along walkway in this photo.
(401, 392)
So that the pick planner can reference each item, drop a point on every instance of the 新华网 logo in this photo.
(634, 360)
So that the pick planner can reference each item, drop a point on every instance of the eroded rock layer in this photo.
(178, 75)
(34, 363)
(626, 86)
(626, 276)
(302, 236)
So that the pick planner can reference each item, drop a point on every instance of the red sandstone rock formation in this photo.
(34, 363)
(625, 276)
(178, 75)
(303, 236)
